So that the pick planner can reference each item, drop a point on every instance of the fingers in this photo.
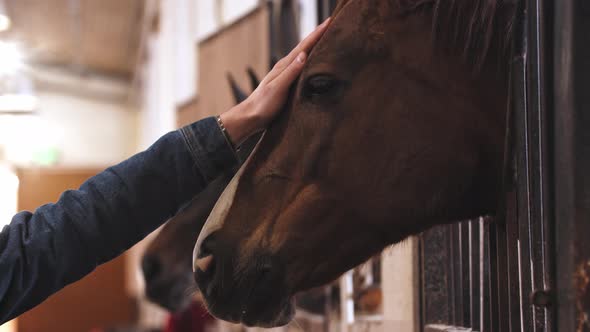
(303, 46)
(266, 101)
(284, 80)
(309, 41)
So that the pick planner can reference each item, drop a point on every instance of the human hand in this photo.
(256, 112)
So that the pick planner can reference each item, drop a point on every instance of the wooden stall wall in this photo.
(242, 44)
(98, 300)
(188, 112)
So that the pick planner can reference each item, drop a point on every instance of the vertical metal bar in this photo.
(456, 279)
(540, 166)
(572, 162)
(422, 273)
(475, 262)
(461, 296)
(533, 174)
(487, 324)
(521, 140)
(513, 282)
(493, 271)
(524, 224)
(465, 258)
(502, 275)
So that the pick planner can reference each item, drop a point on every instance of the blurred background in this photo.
(85, 84)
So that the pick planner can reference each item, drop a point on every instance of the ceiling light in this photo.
(18, 104)
(5, 22)
(11, 58)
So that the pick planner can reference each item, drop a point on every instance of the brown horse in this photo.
(395, 125)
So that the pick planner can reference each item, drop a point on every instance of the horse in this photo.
(396, 124)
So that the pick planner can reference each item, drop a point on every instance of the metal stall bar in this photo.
(572, 163)
(539, 187)
(492, 235)
(521, 146)
(474, 274)
(531, 126)
(513, 283)
(501, 275)
(487, 324)
(456, 281)
(465, 262)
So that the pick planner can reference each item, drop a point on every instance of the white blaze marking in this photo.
(221, 209)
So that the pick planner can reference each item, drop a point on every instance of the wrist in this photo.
(240, 123)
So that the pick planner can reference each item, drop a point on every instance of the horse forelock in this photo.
(478, 30)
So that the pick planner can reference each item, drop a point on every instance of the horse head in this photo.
(396, 124)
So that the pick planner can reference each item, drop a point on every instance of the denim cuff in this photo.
(209, 148)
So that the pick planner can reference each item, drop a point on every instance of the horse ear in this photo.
(254, 81)
(239, 94)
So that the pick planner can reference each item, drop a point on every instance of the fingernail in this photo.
(301, 57)
(326, 21)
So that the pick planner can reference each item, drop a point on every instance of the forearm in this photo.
(41, 252)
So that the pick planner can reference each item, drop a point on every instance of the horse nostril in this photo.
(206, 253)
(151, 267)
(204, 263)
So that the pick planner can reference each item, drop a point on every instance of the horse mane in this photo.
(480, 30)
(475, 29)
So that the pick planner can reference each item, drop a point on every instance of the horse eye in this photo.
(320, 85)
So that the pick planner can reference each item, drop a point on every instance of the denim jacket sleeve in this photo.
(42, 252)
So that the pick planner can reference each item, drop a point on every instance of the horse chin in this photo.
(171, 298)
(261, 317)
(285, 316)
(175, 306)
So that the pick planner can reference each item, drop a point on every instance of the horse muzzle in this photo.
(253, 293)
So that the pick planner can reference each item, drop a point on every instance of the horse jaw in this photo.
(220, 210)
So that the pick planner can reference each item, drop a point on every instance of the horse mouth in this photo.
(258, 299)
(172, 298)
(265, 317)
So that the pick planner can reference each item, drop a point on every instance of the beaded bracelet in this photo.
(224, 131)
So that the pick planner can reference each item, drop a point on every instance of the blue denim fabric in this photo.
(42, 252)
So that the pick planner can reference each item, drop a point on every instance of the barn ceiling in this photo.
(100, 36)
